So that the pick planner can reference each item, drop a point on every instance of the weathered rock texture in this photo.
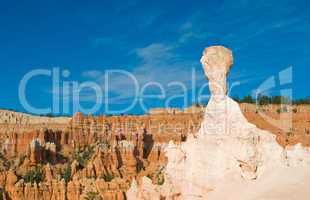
(11, 117)
(227, 148)
(217, 61)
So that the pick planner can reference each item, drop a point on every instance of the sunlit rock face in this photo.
(226, 147)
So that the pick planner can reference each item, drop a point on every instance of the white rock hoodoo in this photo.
(226, 152)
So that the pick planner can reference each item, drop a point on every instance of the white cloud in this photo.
(154, 52)
(161, 63)
(158, 63)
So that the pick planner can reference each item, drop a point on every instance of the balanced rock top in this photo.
(217, 61)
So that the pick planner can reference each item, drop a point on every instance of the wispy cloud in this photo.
(194, 29)
(160, 64)
(154, 53)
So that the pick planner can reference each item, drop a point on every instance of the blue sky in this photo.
(158, 41)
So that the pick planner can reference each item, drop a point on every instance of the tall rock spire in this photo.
(227, 149)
